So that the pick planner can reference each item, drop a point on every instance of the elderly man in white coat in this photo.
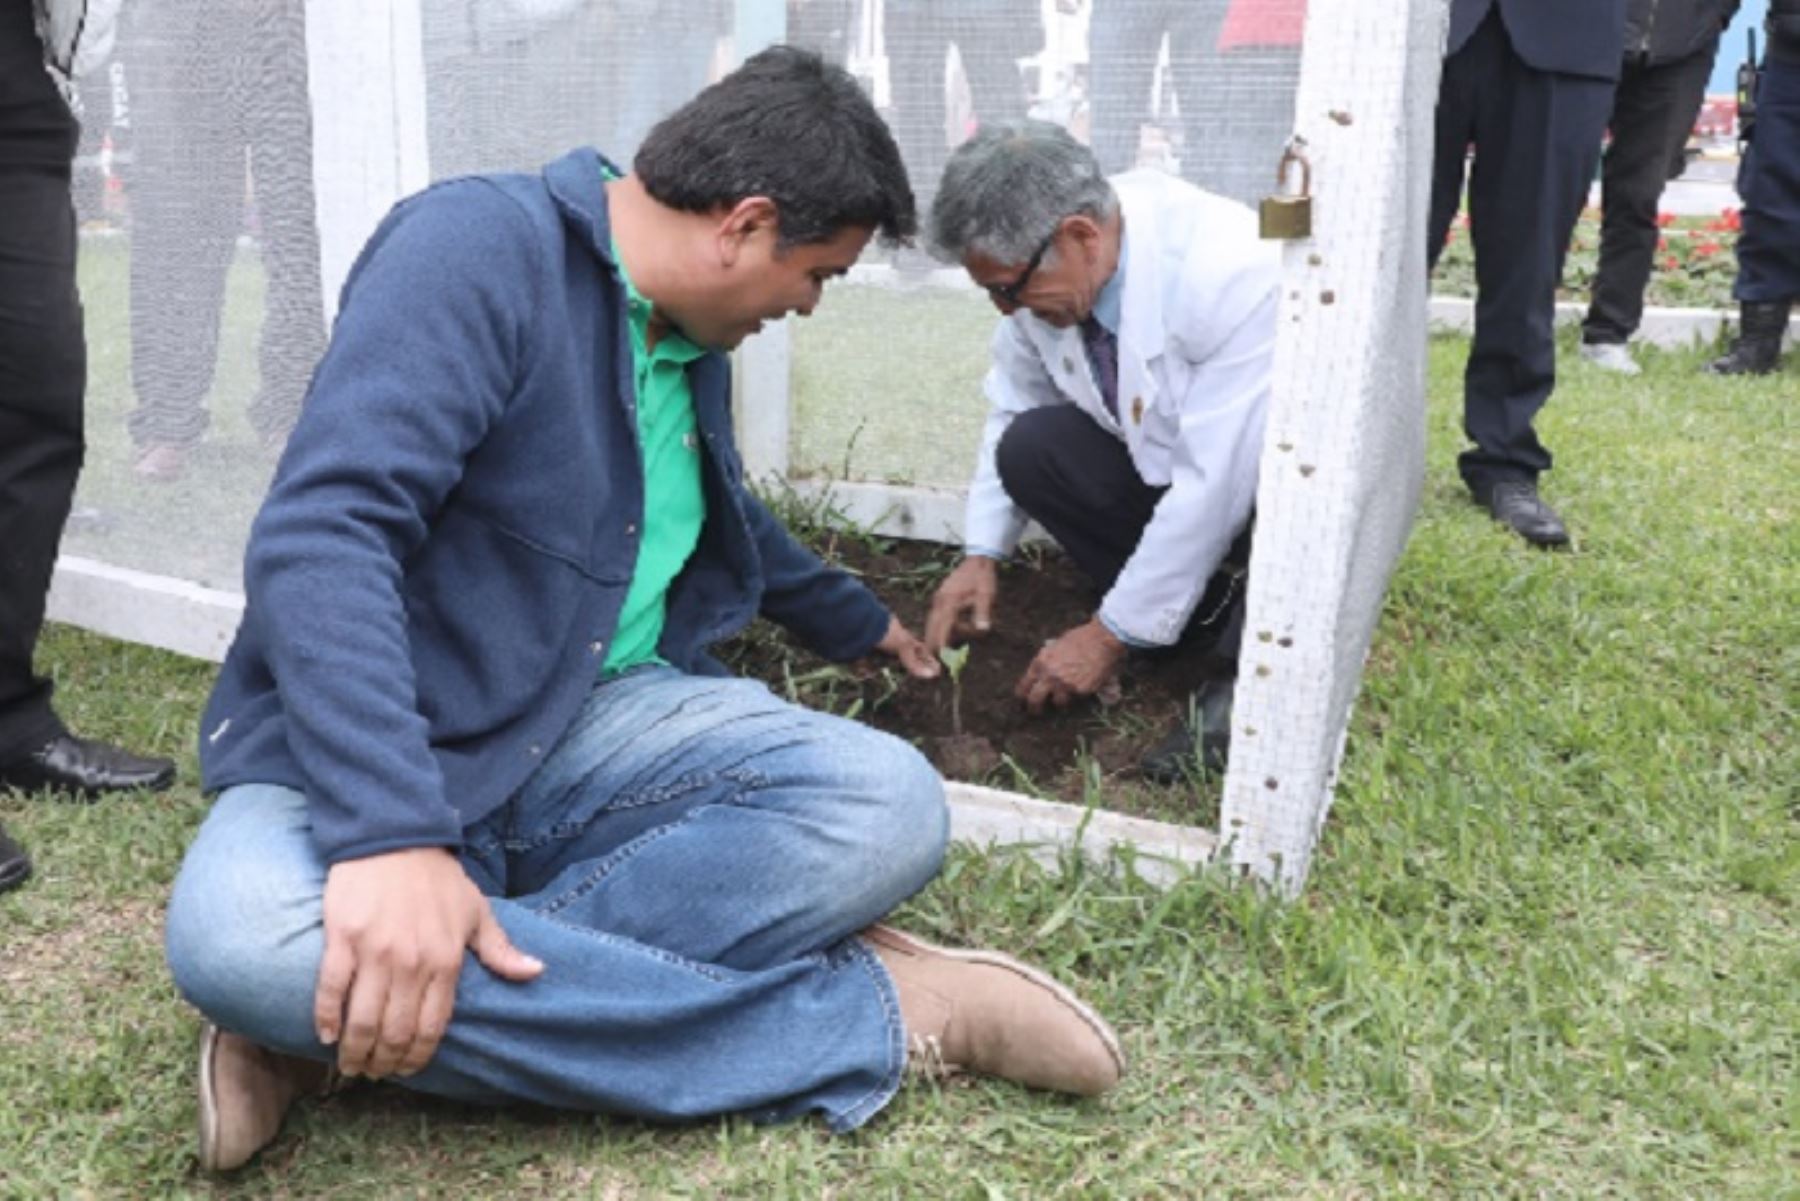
(1129, 381)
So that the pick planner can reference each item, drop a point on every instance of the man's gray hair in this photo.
(1006, 188)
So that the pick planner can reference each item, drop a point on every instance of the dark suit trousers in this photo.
(1769, 249)
(1078, 481)
(1536, 136)
(43, 377)
(1652, 114)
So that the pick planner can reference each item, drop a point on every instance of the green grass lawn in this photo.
(1548, 948)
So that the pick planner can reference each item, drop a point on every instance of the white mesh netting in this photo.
(236, 155)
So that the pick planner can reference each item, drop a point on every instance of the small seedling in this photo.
(953, 659)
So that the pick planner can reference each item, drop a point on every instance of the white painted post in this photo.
(1344, 455)
(366, 71)
(764, 367)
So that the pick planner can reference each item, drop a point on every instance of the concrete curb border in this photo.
(990, 816)
(1670, 328)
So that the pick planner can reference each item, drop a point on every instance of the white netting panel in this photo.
(200, 274)
(237, 155)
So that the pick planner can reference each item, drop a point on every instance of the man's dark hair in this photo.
(787, 126)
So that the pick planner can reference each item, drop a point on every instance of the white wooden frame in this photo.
(369, 110)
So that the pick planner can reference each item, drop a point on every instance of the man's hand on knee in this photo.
(396, 926)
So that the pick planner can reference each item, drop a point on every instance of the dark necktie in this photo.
(1103, 353)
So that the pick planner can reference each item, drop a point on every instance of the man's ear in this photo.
(750, 218)
(1086, 234)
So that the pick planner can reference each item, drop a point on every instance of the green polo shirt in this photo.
(674, 504)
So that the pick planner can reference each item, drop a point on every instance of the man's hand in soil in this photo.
(1077, 664)
(963, 605)
(903, 645)
(396, 926)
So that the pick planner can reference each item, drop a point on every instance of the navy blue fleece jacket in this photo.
(439, 566)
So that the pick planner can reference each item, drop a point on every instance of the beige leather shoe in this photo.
(981, 1011)
(245, 1092)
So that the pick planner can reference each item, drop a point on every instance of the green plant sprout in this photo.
(954, 658)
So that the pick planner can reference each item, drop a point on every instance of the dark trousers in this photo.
(1653, 112)
(1077, 481)
(214, 84)
(43, 377)
(1769, 247)
(1537, 137)
(990, 38)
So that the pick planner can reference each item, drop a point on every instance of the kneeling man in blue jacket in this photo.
(489, 819)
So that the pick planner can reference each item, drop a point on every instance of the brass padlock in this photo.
(1288, 215)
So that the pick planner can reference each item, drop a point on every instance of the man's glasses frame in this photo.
(1008, 294)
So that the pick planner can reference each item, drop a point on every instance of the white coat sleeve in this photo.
(1016, 381)
(1212, 485)
(93, 49)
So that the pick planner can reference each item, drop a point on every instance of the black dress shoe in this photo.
(15, 864)
(86, 768)
(1183, 750)
(1517, 505)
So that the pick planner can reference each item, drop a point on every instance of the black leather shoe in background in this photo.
(15, 864)
(1517, 505)
(1174, 758)
(86, 768)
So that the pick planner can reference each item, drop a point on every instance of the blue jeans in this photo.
(691, 863)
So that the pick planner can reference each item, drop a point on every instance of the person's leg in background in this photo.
(917, 38)
(43, 370)
(990, 39)
(1537, 140)
(1124, 38)
(1653, 112)
(278, 116)
(1768, 249)
(40, 452)
(1218, 101)
(43, 382)
(187, 209)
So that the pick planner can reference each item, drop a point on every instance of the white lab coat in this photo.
(77, 34)
(1196, 353)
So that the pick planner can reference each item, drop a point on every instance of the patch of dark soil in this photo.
(1059, 753)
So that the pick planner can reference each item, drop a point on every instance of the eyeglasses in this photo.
(1008, 294)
